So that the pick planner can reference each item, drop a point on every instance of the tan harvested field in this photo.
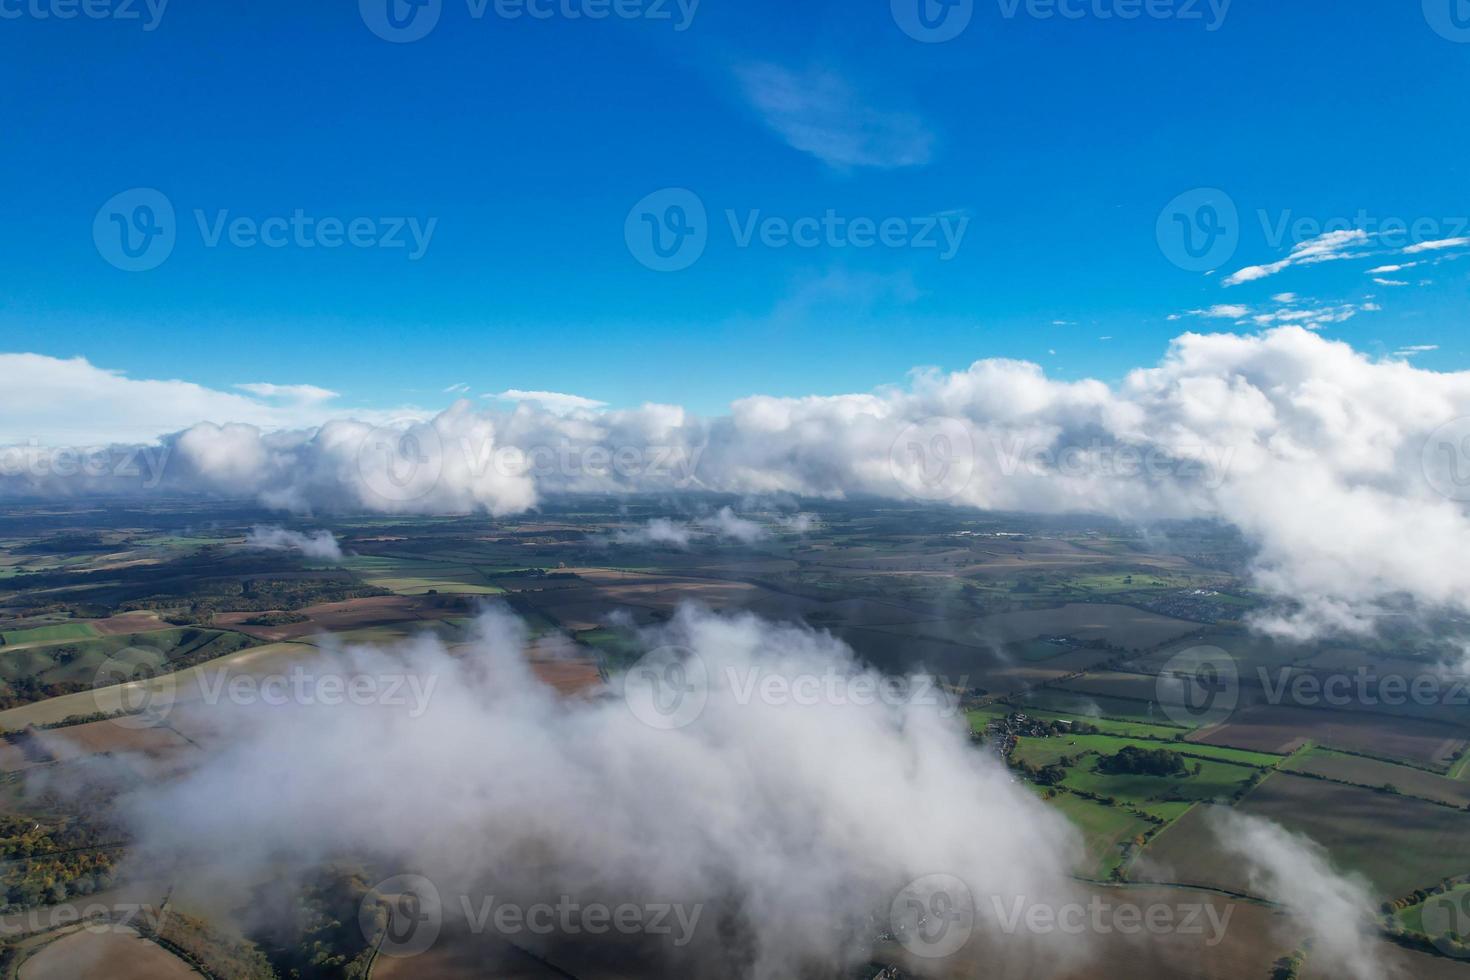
(334, 617)
(568, 677)
(142, 621)
(1253, 937)
(117, 954)
(1400, 964)
(1285, 728)
(183, 686)
(79, 741)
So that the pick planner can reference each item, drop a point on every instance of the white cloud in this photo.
(1285, 297)
(658, 531)
(54, 401)
(1389, 269)
(1436, 246)
(723, 524)
(552, 401)
(1287, 435)
(291, 393)
(1389, 282)
(817, 111)
(457, 389)
(1336, 909)
(1223, 311)
(1329, 247)
(534, 796)
(726, 524)
(322, 545)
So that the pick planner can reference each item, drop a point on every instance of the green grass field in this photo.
(1215, 781)
(1108, 726)
(418, 576)
(50, 634)
(1105, 831)
(1043, 751)
(1412, 918)
(78, 662)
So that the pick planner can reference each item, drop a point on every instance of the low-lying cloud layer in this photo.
(1348, 474)
(321, 545)
(795, 825)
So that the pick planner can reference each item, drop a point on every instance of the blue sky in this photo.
(527, 142)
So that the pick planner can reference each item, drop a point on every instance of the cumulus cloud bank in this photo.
(794, 825)
(1349, 474)
(322, 545)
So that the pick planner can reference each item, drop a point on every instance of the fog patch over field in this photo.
(794, 825)
(1337, 909)
(322, 545)
(658, 531)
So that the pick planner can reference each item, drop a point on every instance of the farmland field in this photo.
(49, 634)
(1427, 839)
(120, 954)
(1372, 772)
(1282, 728)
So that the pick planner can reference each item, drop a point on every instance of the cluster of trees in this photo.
(323, 939)
(1133, 760)
(216, 953)
(45, 864)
